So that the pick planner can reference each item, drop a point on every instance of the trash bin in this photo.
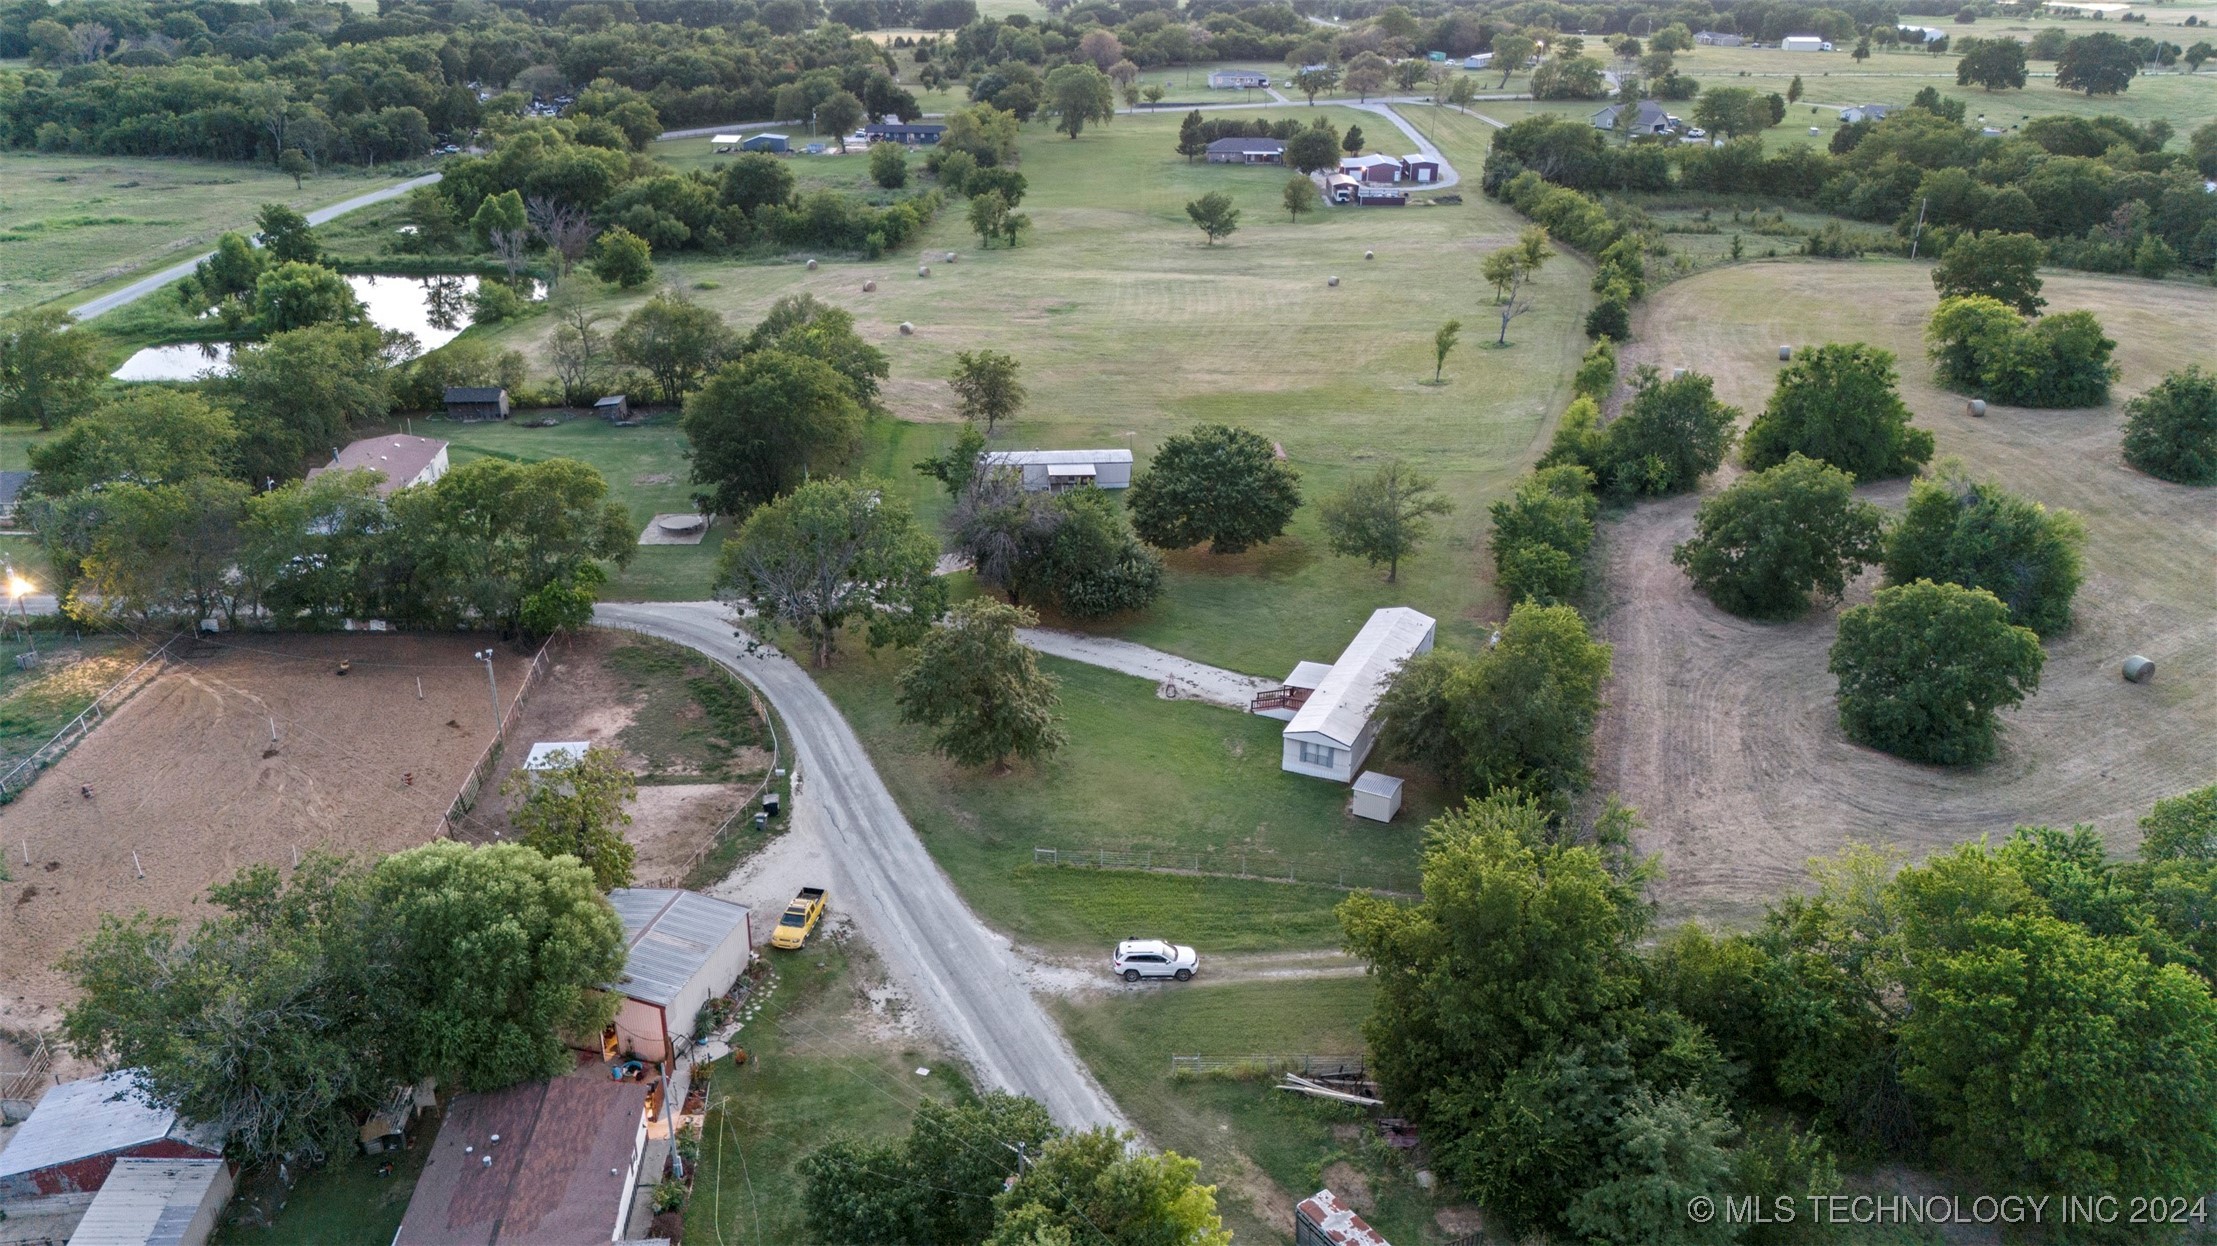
(761, 820)
(769, 803)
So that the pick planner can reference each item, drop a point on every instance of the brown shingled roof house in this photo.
(561, 1173)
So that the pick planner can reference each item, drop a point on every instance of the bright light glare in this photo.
(17, 585)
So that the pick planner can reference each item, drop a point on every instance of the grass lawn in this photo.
(1130, 329)
(70, 225)
(1139, 773)
(39, 701)
(1262, 1148)
(818, 1069)
(344, 1203)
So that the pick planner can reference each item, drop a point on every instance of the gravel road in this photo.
(1194, 681)
(147, 285)
(963, 976)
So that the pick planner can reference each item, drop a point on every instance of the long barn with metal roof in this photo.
(683, 949)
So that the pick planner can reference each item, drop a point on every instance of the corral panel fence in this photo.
(1269, 1065)
(13, 783)
(473, 784)
(1235, 863)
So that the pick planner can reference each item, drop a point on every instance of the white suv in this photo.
(1153, 958)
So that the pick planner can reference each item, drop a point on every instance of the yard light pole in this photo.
(486, 656)
(17, 587)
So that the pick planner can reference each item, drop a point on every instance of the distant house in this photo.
(547, 1163)
(1803, 43)
(1322, 1220)
(470, 403)
(778, 143)
(1717, 39)
(914, 134)
(1375, 168)
(157, 1202)
(1340, 188)
(1247, 151)
(684, 949)
(11, 495)
(1921, 34)
(725, 144)
(613, 407)
(1065, 469)
(1481, 61)
(1645, 117)
(1331, 728)
(1865, 112)
(78, 1131)
(400, 459)
(1423, 170)
(1238, 79)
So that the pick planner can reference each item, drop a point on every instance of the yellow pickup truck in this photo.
(800, 918)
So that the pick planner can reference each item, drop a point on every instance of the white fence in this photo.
(13, 783)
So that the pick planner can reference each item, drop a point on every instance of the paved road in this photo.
(964, 976)
(147, 285)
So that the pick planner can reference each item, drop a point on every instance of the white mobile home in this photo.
(1803, 43)
(1332, 728)
(1065, 469)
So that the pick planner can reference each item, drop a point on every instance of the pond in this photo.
(433, 310)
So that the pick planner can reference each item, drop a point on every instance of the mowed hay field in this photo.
(1725, 733)
(186, 776)
(1130, 329)
(70, 224)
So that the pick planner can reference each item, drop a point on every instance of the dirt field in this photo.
(186, 776)
(1724, 732)
(583, 696)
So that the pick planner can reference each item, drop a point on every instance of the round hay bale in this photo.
(869, 287)
(1370, 255)
(923, 270)
(952, 257)
(1332, 281)
(2138, 670)
(1785, 353)
(907, 328)
(1975, 407)
(812, 266)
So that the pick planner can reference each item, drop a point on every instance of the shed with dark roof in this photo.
(476, 402)
(549, 1163)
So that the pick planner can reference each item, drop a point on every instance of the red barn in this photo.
(80, 1129)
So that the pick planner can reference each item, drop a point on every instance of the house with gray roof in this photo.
(1247, 151)
(1645, 117)
(1331, 727)
(682, 949)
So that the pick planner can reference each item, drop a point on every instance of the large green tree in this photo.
(1384, 516)
(761, 426)
(2098, 64)
(285, 234)
(160, 551)
(1672, 433)
(832, 554)
(1995, 64)
(577, 809)
(1974, 533)
(2171, 430)
(981, 688)
(986, 387)
(300, 396)
(1997, 265)
(802, 324)
(1924, 667)
(1096, 1186)
(674, 341)
(151, 436)
(1839, 403)
(1763, 546)
(514, 545)
(934, 1187)
(1541, 533)
(47, 374)
(1077, 94)
(1214, 214)
(1215, 483)
(485, 958)
(296, 295)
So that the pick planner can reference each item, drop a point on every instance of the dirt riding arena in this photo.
(1724, 732)
(186, 776)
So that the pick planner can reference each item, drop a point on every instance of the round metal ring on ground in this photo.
(679, 525)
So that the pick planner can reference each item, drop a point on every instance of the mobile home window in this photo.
(1318, 754)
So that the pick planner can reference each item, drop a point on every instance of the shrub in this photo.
(1610, 320)
(1924, 666)
(1597, 372)
(1541, 534)
(1671, 434)
(622, 258)
(496, 302)
(889, 165)
(2171, 431)
(1975, 534)
(1761, 547)
(1981, 345)
(1838, 403)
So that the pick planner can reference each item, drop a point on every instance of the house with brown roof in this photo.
(401, 459)
(547, 1163)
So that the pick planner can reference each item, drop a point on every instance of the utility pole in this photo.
(486, 656)
(1917, 235)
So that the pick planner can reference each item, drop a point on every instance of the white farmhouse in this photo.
(1331, 728)
(1065, 469)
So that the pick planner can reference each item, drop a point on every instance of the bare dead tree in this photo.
(90, 41)
(1518, 302)
(1001, 529)
(566, 229)
(509, 247)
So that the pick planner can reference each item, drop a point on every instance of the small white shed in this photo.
(555, 755)
(1377, 796)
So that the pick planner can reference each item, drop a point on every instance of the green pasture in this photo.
(73, 225)
(1177, 778)
(1131, 329)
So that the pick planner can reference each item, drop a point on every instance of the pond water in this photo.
(433, 310)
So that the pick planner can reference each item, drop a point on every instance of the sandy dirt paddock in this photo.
(186, 776)
(1724, 732)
